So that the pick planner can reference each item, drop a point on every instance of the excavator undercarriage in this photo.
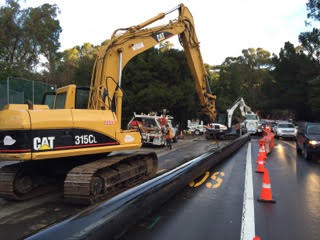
(98, 180)
(84, 181)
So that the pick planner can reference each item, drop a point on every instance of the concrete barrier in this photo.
(112, 218)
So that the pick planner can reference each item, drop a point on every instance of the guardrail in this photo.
(112, 218)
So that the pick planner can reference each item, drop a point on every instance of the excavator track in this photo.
(103, 178)
(21, 181)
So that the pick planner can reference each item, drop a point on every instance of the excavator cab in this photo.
(68, 97)
(48, 99)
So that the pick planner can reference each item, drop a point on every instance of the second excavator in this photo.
(70, 142)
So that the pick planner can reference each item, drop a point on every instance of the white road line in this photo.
(247, 225)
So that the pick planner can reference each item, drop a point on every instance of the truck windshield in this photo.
(251, 117)
(285, 125)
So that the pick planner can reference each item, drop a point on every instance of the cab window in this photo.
(60, 101)
(82, 97)
(48, 99)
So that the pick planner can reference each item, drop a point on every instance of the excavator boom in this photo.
(126, 43)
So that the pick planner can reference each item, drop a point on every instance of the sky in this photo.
(224, 28)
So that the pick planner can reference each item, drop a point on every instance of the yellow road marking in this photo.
(216, 177)
(193, 184)
(218, 184)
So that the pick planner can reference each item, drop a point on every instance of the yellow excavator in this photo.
(71, 141)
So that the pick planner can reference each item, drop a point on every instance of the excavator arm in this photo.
(244, 109)
(129, 42)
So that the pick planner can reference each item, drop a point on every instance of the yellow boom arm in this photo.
(129, 42)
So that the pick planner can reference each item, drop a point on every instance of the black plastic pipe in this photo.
(112, 218)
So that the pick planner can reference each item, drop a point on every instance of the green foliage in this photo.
(313, 9)
(25, 35)
(313, 97)
(309, 71)
(293, 70)
(157, 80)
(76, 65)
(244, 76)
(310, 42)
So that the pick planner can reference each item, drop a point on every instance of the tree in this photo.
(313, 7)
(310, 42)
(243, 76)
(313, 96)
(76, 65)
(156, 80)
(27, 34)
(293, 70)
(256, 58)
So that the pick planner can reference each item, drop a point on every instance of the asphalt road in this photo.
(215, 206)
(20, 219)
(296, 187)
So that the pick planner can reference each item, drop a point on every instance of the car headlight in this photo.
(314, 142)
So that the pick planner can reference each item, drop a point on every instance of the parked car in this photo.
(285, 130)
(308, 140)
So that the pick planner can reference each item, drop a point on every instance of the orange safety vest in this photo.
(169, 134)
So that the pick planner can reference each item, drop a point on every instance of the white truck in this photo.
(152, 128)
(249, 125)
(251, 122)
(196, 127)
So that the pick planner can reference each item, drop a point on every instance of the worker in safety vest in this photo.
(169, 136)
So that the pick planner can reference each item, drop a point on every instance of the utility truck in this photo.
(196, 127)
(153, 128)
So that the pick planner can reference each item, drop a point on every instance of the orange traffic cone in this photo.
(262, 155)
(260, 166)
(266, 194)
(181, 135)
